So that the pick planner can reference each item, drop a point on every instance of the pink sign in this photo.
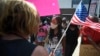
(46, 7)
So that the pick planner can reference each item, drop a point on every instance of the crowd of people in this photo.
(20, 22)
(50, 32)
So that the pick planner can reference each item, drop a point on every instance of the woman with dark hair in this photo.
(72, 35)
(56, 28)
(55, 34)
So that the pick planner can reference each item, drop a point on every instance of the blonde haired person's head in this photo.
(18, 17)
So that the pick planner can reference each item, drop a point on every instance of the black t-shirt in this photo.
(72, 35)
(18, 47)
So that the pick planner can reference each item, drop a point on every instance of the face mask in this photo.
(53, 26)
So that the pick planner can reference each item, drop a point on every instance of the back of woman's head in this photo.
(19, 17)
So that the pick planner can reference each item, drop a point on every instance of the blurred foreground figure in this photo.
(18, 20)
(87, 31)
(90, 35)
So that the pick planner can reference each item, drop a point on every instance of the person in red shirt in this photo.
(90, 35)
(87, 31)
